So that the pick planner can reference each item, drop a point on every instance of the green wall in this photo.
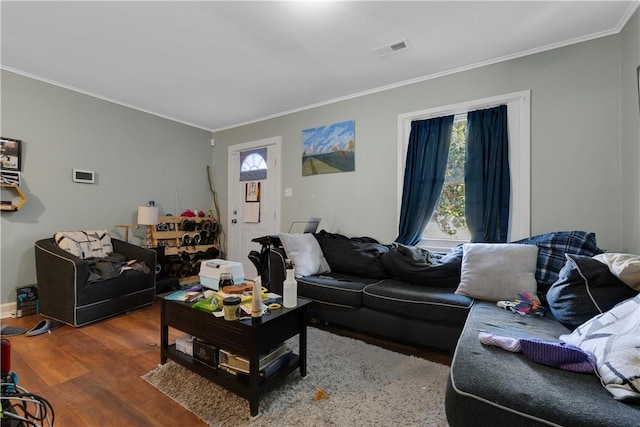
(576, 145)
(630, 149)
(137, 157)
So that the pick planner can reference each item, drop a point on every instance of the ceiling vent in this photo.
(390, 48)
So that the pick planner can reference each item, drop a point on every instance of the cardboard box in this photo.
(27, 302)
(210, 271)
(205, 353)
(184, 344)
(241, 364)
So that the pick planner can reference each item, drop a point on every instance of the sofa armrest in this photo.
(59, 275)
(53, 260)
(131, 251)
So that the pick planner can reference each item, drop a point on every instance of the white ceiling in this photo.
(215, 64)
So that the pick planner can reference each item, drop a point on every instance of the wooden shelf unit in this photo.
(172, 238)
(17, 206)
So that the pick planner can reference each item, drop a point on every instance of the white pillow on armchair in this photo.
(85, 244)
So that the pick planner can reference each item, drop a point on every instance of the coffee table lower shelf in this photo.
(238, 384)
(246, 338)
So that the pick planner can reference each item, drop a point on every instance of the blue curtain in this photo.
(423, 176)
(486, 176)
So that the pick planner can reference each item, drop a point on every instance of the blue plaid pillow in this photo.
(552, 248)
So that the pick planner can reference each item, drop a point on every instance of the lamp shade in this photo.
(147, 215)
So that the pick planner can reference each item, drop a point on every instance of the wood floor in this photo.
(91, 375)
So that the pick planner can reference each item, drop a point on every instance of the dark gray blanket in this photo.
(105, 268)
(415, 265)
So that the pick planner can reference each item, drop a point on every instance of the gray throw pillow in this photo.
(497, 271)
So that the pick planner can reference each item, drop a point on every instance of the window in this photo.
(437, 236)
(253, 165)
(448, 221)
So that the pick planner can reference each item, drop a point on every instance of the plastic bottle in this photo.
(290, 287)
(256, 299)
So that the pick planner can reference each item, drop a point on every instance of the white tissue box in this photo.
(184, 344)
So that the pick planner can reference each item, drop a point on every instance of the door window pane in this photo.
(253, 165)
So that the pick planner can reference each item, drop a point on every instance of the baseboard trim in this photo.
(8, 310)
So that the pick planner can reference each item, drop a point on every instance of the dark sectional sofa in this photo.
(418, 305)
(359, 293)
(490, 386)
(391, 308)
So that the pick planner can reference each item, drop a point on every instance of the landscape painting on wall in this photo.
(329, 149)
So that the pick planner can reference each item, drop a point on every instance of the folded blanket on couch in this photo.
(110, 266)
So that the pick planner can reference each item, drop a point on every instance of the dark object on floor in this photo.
(167, 284)
(10, 331)
(43, 326)
(269, 262)
(27, 300)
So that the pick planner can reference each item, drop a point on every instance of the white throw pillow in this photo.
(625, 266)
(498, 271)
(614, 338)
(85, 244)
(305, 253)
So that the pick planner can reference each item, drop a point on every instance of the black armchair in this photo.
(65, 294)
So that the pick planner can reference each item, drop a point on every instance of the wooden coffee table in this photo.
(245, 338)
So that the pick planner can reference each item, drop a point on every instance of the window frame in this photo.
(519, 122)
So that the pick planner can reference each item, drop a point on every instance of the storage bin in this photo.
(210, 271)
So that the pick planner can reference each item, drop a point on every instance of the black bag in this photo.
(270, 263)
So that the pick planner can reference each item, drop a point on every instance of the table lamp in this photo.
(148, 215)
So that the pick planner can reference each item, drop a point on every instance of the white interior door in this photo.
(254, 205)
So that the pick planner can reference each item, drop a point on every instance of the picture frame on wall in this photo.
(10, 154)
(329, 149)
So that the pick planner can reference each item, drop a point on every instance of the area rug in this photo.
(365, 384)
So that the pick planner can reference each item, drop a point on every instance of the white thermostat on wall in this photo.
(85, 177)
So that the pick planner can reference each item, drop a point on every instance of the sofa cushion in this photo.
(334, 288)
(625, 267)
(410, 300)
(85, 244)
(497, 271)
(420, 266)
(355, 256)
(585, 289)
(614, 338)
(305, 253)
(490, 386)
(551, 250)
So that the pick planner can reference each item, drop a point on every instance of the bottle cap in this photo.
(231, 301)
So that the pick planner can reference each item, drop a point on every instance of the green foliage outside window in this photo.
(449, 215)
